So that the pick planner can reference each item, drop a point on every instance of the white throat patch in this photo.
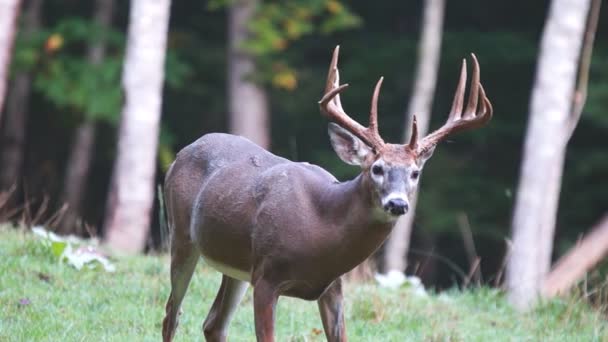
(381, 215)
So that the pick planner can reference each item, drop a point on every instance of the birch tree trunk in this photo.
(79, 162)
(248, 104)
(9, 11)
(17, 107)
(429, 51)
(132, 188)
(548, 131)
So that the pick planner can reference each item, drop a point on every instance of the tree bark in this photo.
(132, 190)
(578, 261)
(429, 51)
(248, 104)
(84, 140)
(17, 107)
(76, 175)
(547, 134)
(13, 132)
(9, 11)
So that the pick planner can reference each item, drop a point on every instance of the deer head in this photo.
(392, 171)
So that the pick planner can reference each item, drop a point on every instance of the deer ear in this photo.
(349, 148)
(424, 156)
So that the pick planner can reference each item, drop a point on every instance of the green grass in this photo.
(90, 305)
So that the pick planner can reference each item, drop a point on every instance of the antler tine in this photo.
(332, 86)
(414, 137)
(473, 94)
(373, 113)
(330, 98)
(488, 110)
(333, 76)
(456, 110)
(473, 117)
(331, 106)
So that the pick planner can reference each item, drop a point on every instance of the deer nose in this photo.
(396, 206)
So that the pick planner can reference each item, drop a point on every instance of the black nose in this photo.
(396, 206)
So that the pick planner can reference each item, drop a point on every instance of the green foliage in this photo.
(42, 300)
(75, 84)
(597, 97)
(76, 30)
(28, 51)
(177, 70)
(68, 77)
(166, 154)
(277, 24)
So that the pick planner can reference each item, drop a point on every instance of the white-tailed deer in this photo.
(292, 229)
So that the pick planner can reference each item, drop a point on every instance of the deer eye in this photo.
(377, 170)
(415, 174)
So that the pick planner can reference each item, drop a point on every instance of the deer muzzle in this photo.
(396, 206)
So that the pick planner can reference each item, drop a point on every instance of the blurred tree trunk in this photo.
(131, 196)
(429, 52)
(549, 129)
(79, 161)
(74, 184)
(9, 11)
(248, 104)
(17, 107)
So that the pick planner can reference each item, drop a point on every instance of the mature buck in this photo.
(291, 228)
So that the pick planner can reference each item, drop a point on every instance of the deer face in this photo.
(392, 172)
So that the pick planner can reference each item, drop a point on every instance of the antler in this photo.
(331, 106)
(473, 117)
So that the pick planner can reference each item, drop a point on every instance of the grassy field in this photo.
(44, 300)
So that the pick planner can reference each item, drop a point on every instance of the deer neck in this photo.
(357, 229)
(350, 203)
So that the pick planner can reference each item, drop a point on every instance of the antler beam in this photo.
(474, 116)
(331, 106)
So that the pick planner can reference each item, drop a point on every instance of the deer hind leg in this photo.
(228, 298)
(332, 312)
(265, 296)
(184, 257)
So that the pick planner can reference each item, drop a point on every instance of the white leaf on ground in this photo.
(87, 256)
(396, 279)
(69, 249)
(392, 279)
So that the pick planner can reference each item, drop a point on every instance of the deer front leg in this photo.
(265, 297)
(332, 312)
